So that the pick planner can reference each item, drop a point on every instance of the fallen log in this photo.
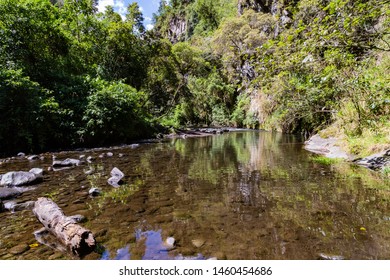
(78, 240)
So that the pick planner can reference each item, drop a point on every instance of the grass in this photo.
(325, 160)
(386, 172)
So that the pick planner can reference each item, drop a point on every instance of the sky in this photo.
(148, 7)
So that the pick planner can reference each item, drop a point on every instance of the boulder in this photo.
(8, 193)
(19, 178)
(116, 177)
(21, 154)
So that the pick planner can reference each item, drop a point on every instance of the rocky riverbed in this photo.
(237, 195)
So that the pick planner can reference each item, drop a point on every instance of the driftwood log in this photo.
(77, 239)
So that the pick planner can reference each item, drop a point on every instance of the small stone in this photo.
(9, 205)
(120, 155)
(94, 192)
(90, 171)
(170, 243)
(81, 156)
(116, 177)
(90, 159)
(133, 146)
(109, 154)
(33, 157)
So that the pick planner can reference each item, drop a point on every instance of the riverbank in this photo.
(332, 147)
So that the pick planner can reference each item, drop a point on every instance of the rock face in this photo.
(116, 177)
(19, 178)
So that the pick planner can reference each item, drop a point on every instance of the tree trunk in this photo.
(79, 240)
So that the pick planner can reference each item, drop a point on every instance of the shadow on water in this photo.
(240, 195)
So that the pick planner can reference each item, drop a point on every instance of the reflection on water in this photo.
(241, 195)
(154, 248)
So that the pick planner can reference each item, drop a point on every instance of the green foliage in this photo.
(113, 114)
(22, 107)
(71, 76)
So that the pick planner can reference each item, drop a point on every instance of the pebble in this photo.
(109, 154)
(170, 243)
(94, 192)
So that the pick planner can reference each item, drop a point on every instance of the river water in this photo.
(239, 195)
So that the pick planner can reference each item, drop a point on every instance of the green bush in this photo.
(114, 114)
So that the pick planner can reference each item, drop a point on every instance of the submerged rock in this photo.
(198, 242)
(19, 178)
(116, 177)
(19, 249)
(8, 193)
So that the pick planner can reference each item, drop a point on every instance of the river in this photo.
(239, 195)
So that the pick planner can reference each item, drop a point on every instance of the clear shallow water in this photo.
(240, 195)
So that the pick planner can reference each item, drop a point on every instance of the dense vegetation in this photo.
(70, 76)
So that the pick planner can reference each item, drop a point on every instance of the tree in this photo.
(134, 16)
